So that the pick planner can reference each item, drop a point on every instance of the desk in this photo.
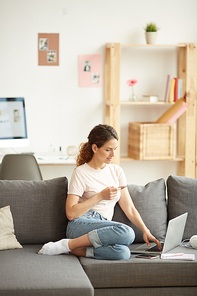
(55, 160)
(56, 166)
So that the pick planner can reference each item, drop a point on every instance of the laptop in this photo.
(173, 238)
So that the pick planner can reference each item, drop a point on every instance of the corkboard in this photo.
(48, 49)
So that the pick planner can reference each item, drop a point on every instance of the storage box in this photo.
(150, 141)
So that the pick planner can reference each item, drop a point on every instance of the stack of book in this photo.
(173, 89)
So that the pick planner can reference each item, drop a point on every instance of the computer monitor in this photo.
(13, 126)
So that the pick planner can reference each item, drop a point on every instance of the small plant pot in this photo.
(151, 37)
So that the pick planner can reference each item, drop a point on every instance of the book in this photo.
(180, 88)
(151, 98)
(167, 88)
(171, 94)
(181, 256)
(175, 89)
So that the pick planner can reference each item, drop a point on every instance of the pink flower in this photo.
(132, 82)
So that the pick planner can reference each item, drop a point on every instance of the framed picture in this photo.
(90, 70)
(48, 49)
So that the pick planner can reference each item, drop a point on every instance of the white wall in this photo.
(60, 112)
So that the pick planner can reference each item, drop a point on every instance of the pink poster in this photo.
(90, 70)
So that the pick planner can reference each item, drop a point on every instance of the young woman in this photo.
(93, 192)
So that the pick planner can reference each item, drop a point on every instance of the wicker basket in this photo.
(151, 141)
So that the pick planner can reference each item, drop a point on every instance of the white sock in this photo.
(59, 247)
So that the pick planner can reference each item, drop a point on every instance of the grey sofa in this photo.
(37, 208)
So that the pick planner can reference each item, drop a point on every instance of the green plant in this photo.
(151, 27)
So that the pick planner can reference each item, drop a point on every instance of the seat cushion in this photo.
(150, 201)
(136, 272)
(37, 207)
(25, 273)
(182, 197)
(161, 291)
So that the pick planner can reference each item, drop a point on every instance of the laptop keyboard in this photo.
(155, 248)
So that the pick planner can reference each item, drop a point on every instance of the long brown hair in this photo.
(99, 135)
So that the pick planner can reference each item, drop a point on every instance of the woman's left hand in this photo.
(133, 215)
(147, 236)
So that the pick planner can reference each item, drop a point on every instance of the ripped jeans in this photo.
(109, 239)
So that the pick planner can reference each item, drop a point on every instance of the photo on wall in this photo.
(95, 78)
(51, 56)
(87, 66)
(43, 43)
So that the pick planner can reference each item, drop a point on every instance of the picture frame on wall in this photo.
(48, 49)
(90, 70)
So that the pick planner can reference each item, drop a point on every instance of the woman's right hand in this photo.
(109, 193)
(75, 209)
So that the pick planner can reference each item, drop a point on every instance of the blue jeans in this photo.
(109, 239)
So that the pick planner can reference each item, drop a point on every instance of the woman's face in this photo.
(106, 153)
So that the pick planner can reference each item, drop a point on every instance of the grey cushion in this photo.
(182, 197)
(150, 201)
(136, 272)
(38, 208)
(25, 273)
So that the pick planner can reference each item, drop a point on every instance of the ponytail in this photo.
(85, 154)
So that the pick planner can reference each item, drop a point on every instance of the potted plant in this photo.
(151, 33)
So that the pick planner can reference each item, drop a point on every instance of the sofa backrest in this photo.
(37, 207)
(150, 201)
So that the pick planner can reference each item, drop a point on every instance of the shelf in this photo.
(110, 45)
(145, 103)
(139, 103)
(178, 158)
(154, 45)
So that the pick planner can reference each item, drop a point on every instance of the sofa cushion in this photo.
(23, 272)
(7, 237)
(182, 197)
(138, 272)
(153, 291)
(150, 201)
(38, 208)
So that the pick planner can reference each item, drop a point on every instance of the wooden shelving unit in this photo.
(186, 126)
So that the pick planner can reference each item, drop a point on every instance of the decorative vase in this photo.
(151, 37)
(133, 97)
(72, 150)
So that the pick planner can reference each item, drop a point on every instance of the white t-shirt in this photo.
(86, 182)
